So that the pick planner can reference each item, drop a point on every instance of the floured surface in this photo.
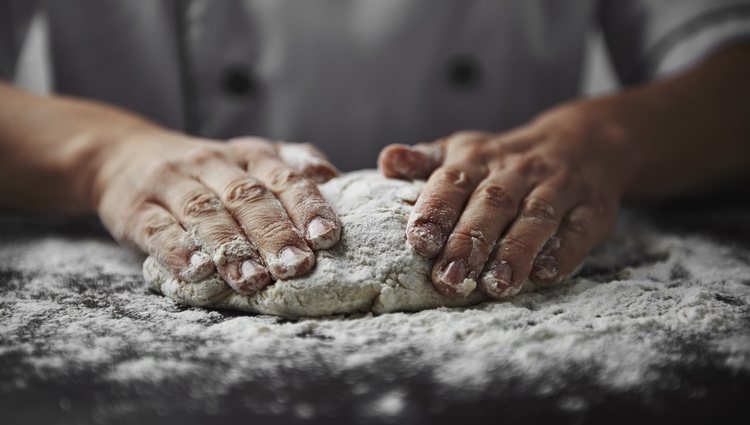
(372, 269)
(656, 325)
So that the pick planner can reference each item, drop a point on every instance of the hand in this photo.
(500, 208)
(248, 208)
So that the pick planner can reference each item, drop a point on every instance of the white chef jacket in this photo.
(354, 75)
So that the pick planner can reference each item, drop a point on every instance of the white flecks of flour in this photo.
(72, 307)
(388, 405)
(150, 369)
(371, 269)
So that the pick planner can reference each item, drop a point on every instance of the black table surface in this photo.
(81, 397)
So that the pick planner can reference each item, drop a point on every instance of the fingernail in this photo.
(251, 270)
(552, 245)
(321, 233)
(504, 273)
(425, 238)
(200, 267)
(290, 261)
(545, 267)
(292, 255)
(199, 258)
(454, 277)
(246, 277)
(253, 277)
(498, 281)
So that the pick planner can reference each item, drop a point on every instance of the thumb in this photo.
(411, 162)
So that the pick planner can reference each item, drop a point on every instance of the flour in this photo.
(73, 309)
(150, 369)
(371, 269)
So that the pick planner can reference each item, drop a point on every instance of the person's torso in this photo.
(350, 76)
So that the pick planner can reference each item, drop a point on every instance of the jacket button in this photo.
(463, 73)
(238, 81)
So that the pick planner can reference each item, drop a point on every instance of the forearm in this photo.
(685, 135)
(51, 149)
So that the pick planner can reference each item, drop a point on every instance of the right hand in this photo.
(249, 208)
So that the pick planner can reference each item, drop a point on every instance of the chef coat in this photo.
(352, 76)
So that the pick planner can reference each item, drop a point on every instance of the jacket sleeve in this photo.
(648, 39)
(15, 18)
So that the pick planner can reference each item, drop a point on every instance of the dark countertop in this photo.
(44, 279)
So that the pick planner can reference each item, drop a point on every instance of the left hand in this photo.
(500, 208)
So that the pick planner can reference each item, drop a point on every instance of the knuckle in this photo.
(497, 197)
(566, 178)
(438, 211)
(578, 224)
(468, 136)
(285, 178)
(492, 151)
(201, 155)
(245, 191)
(540, 209)
(200, 204)
(455, 175)
(316, 206)
(473, 239)
(306, 187)
(512, 245)
(533, 165)
(250, 142)
(471, 235)
(171, 251)
(163, 170)
(249, 150)
(476, 157)
(156, 225)
(167, 245)
(214, 233)
(160, 239)
(280, 231)
(452, 173)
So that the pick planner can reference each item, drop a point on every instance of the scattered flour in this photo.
(150, 369)
(390, 404)
(73, 309)
(372, 268)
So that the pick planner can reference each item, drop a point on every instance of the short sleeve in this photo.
(15, 18)
(648, 39)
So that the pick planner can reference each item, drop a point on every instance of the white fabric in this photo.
(352, 76)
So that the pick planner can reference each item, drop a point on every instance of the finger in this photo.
(302, 200)
(545, 264)
(307, 159)
(159, 234)
(439, 205)
(411, 162)
(262, 219)
(583, 227)
(538, 220)
(202, 213)
(492, 206)
(300, 197)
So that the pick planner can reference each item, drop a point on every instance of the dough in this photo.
(371, 269)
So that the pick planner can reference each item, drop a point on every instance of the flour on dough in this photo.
(371, 269)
